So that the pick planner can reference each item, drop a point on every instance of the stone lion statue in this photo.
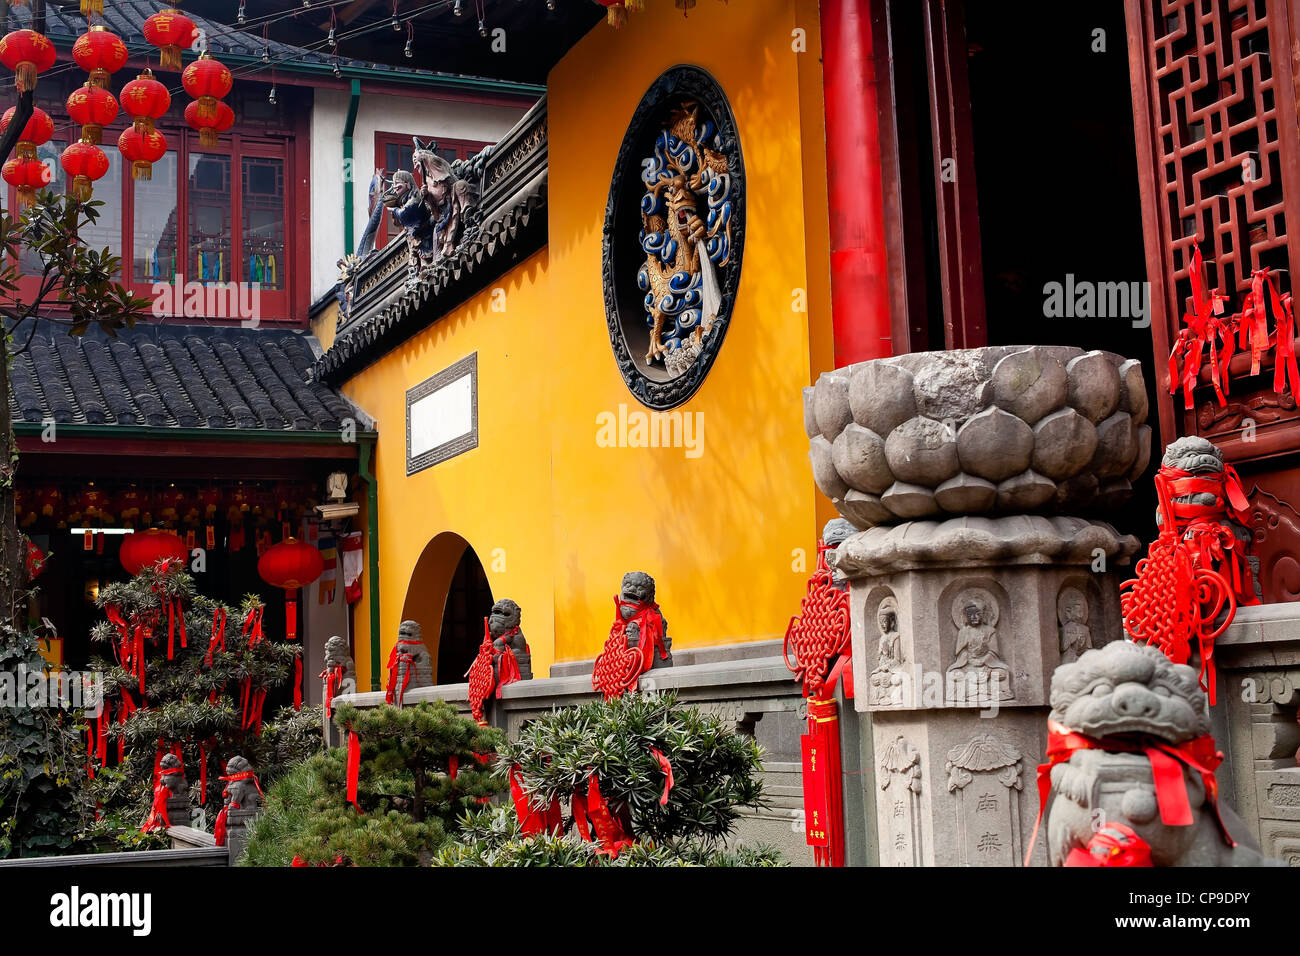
(1114, 711)
(337, 655)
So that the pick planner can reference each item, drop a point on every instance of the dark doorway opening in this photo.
(469, 599)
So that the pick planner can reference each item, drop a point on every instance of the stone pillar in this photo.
(973, 477)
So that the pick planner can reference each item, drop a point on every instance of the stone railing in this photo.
(747, 685)
(187, 856)
(1258, 660)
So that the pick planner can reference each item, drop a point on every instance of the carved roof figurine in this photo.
(638, 639)
(1129, 745)
(1196, 572)
(447, 197)
(503, 657)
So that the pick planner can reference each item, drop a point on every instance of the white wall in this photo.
(416, 116)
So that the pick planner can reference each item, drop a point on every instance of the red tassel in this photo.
(218, 641)
(220, 829)
(103, 733)
(297, 682)
(354, 767)
(453, 766)
(290, 615)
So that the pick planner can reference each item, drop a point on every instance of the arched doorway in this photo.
(449, 596)
(469, 600)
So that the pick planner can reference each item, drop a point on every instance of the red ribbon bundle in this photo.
(1204, 330)
(1113, 845)
(1167, 763)
(619, 667)
(333, 677)
(396, 659)
(532, 820)
(613, 828)
(253, 625)
(175, 609)
(220, 828)
(123, 712)
(218, 640)
(354, 767)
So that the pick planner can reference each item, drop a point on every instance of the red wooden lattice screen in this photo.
(1219, 159)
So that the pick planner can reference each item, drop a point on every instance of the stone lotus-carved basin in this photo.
(999, 430)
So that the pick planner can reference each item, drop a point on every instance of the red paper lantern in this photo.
(171, 31)
(145, 99)
(94, 108)
(100, 54)
(27, 176)
(38, 130)
(209, 130)
(27, 53)
(143, 150)
(291, 564)
(144, 549)
(207, 81)
(84, 162)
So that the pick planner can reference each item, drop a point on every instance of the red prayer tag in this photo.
(816, 816)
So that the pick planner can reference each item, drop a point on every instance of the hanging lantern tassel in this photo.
(290, 614)
(143, 150)
(92, 6)
(85, 163)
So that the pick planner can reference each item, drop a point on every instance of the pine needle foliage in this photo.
(492, 837)
(410, 804)
(715, 770)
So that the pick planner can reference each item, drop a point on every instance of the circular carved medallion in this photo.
(673, 237)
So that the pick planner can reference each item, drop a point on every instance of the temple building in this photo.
(849, 311)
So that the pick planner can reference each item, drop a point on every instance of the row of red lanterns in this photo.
(144, 99)
(133, 505)
(291, 564)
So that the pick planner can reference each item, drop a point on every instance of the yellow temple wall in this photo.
(727, 522)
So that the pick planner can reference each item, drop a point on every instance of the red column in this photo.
(859, 277)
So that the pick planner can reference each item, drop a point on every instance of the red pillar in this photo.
(859, 276)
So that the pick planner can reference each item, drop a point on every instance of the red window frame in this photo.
(465, 148)
(286, 305)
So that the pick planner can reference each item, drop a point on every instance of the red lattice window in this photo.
(1213, 104)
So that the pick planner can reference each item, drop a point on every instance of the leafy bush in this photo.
(619, 743)
(43, 803)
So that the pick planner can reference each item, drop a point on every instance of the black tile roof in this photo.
(178, 376)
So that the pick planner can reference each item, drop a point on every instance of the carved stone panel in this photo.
(984, 776)
(899, 805)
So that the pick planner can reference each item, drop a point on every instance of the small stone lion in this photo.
(1132, 693)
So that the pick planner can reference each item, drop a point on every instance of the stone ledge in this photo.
(686, 656)
(1264, 624)
(190, 837)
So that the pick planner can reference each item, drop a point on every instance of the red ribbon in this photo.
(218, 641)
(354, 767)
(1167, 762)
(253, 625)
(1204, 329)
(333, 677)
(397, 657)
(532, 820)
(611, 832)
(667, 768)
(297, 682)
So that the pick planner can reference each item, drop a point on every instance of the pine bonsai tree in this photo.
(418, 768)
(185, 673)
(633, 781)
